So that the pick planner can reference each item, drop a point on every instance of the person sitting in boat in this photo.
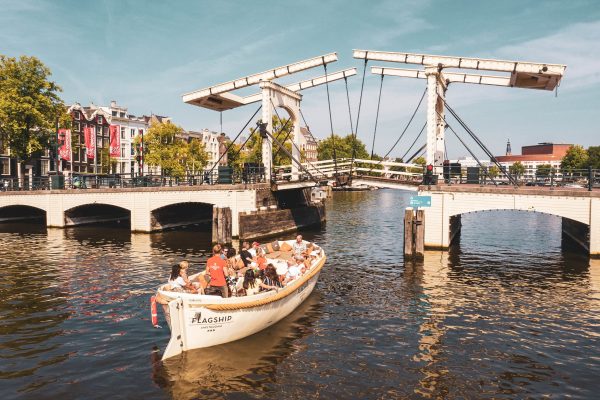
(299, 246)
(295, 269)
(249, 285)
(270, 280)
(245, 254)
(179, 282)
(261, 259)
(216, 267)
(254, 250)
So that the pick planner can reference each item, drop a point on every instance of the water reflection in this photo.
(247, 366)
(508, 312)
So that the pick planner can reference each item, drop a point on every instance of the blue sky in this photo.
(146, 54)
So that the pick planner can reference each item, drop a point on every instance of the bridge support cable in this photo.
(350, 117)
(416, 153)
(331, 121)
(376, 117)
(413, 143)
(236, 138)
(404, 130)
(469, 150)
(294, 144)
(282, 147)
(355, 135)
(480, 143)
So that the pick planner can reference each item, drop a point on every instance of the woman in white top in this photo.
(178, 280)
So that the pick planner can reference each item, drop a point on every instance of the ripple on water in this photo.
(506, 313)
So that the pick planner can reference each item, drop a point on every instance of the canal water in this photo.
(506, 313)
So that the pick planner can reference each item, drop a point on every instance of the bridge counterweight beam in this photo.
(267, 143)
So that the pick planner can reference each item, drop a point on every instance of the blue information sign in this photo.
(420, 201)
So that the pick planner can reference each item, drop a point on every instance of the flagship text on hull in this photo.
(201, 320)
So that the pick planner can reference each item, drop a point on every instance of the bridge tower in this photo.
(220, 98)
(527, 75)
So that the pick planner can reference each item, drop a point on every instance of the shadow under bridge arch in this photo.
(181, 215)
(18, 213)
(97, 213)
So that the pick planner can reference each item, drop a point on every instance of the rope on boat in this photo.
(278, 296)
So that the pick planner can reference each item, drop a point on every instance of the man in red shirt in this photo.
(216, 267)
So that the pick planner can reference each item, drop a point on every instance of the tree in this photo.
(575, 158)
(594, 157)
(517, 169)
(196, 157)
(252, 151)
(164, 148)
(108, 164)
(343, 148)
(420, 161)
(493, 171)
(544, 170)
(29, 107)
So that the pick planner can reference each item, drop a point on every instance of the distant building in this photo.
(214, 144)
(308, 144)
(467, 161)
(534, 155)
(101, 117)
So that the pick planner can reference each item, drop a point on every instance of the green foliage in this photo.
(252, 151)
(575, 158)
(544, 170)
(29, 105)
(420, 161)
(109, 164)
(164, 148)
(594, 156)
(493, 171)
(343, 148)
(517, 169)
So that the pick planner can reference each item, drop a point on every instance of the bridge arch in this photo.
(95, 213)
(181, 214)
(22, 212)
(577, 210)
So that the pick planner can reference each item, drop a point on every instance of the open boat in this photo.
(198, 321)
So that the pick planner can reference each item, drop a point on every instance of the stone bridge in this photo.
(578, 208)
(147, 209)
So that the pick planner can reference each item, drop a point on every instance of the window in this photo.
(44, 167)
(75, 154)
(5, 166)
(122, 115)
(76, 115)
(99, 120)
(105, 131)
(132, 150)
(123, 151)
(122, 132)
(76, 126)
(98, 143)
(132, 132)
(114, 113)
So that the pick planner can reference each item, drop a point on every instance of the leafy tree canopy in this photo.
(517, 169)
(29, 105)
(343, 147)
(165, 148)
(575, 158)
(594, 156)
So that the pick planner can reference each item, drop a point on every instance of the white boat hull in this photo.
(203, 321)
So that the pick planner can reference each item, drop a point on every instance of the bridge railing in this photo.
(109, 181)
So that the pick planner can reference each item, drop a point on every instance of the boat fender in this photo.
(153, 312)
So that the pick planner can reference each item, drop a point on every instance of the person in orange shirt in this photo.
(216, 267)
(261, 260)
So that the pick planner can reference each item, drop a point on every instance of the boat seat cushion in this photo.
(285, 246)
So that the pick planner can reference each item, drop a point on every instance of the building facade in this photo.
(215, 144)
(535, 155)
(308, 145)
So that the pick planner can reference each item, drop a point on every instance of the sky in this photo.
(146, 54)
